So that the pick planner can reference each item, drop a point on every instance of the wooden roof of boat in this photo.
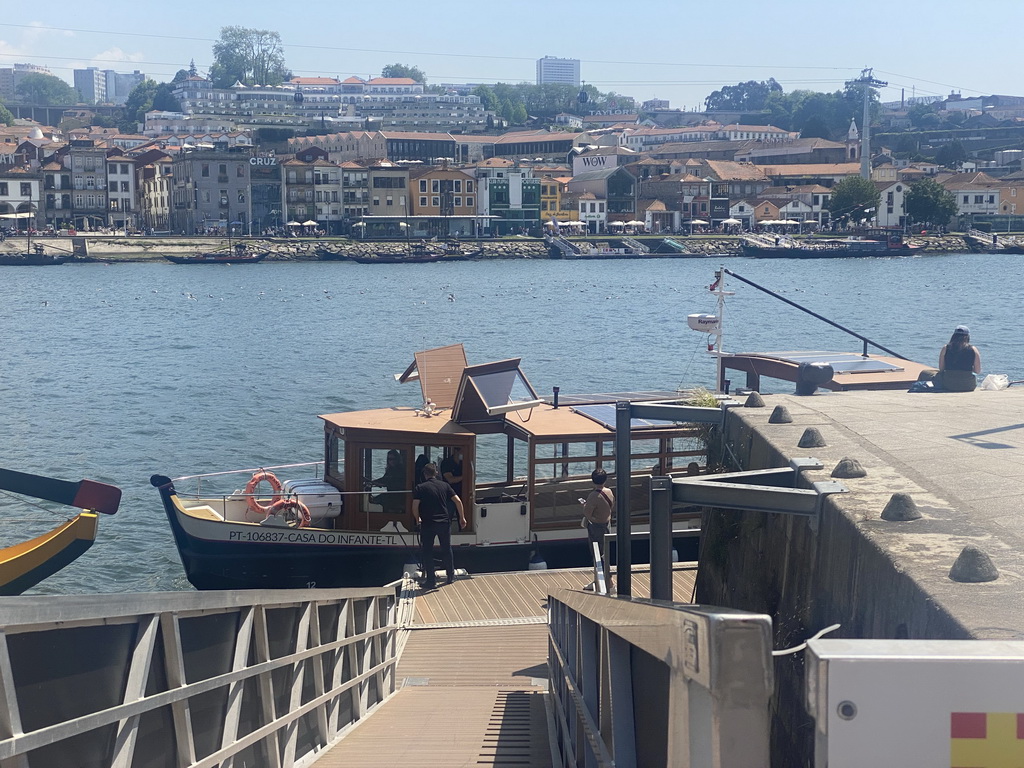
(542, 421)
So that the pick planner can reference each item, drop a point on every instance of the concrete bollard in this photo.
(901, 508)
(973, 566)
(847, 468)
(780, 416)
(754, 400)
(811, 438)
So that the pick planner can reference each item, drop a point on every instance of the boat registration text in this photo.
(313, 537)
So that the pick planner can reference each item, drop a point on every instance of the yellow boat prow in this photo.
(26, 564)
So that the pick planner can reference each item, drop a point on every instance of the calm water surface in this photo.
(117, 372)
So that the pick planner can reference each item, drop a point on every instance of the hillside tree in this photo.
(46, 90)
(5, 115)
(929, 203)
(402, 70)
(745, 97)
(250, 56)
(854, 198)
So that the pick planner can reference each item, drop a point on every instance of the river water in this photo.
(118, 372)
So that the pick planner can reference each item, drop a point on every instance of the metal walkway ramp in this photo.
(473, 675)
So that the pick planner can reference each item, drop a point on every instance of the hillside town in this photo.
(389, 157)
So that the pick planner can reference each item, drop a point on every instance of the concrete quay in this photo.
(959, 457)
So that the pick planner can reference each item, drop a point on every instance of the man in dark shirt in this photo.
(430, 501)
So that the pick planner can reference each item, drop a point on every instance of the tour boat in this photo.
(527, 463)
(785, 247)
(25, 564)
(239, 253)
(34, 256)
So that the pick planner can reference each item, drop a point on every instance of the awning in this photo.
(22, 215)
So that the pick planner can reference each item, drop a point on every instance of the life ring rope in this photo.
(286, 505)
(250, 491)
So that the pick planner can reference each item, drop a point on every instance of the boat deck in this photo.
(474, 674)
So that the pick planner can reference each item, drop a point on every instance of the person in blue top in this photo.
(959, 361)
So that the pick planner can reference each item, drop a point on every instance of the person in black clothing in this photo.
(430, 510)
(959, 362)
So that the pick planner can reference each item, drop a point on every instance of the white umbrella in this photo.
(698, 221)
(634, 223)
(731, 221)
(309, 223)
(359, 224)
(293, 224)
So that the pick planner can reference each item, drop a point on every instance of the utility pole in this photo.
(867, 81)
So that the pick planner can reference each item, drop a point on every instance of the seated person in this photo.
(393, 479)
(958, 363)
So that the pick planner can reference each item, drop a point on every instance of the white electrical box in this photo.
(916, 703)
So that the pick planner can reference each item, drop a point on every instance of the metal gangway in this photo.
(232, 679)
(565, 246)
(635, 245)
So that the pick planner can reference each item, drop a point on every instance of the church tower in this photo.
(852, 142)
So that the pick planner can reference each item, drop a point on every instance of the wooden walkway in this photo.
(473, 675)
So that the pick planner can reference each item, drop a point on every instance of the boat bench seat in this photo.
(205, 513)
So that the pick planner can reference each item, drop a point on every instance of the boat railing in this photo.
(258, 677)
(212, 478)
(706, 672)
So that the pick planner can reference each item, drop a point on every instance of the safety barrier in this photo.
(637, 683)
(255, 678)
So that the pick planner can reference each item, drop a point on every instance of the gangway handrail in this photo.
(697, 695)
(278, 675)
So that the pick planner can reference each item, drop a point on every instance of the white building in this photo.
(551, 69)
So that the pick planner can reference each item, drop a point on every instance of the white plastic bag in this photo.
(995, 381)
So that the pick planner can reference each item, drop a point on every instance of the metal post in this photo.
(661, 538)
(623, 552)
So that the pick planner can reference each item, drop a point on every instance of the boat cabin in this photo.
(526, 461)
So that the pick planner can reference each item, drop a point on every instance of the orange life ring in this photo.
(284, 505)
(250, 491)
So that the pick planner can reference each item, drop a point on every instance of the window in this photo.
(436, 202)
(3, 188)
(978, 199)
(240, 171)
(469, 186)
(435, 186)
(26, 189)
(124, 169)
(423, 187)
(469, 200)
(376, 201)
(458, 186)
(205, 171)
(389, 200)
(457, 202)
(991, 199)
(423, 201)
(124, 186)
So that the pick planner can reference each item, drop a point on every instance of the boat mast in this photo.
(718, 288)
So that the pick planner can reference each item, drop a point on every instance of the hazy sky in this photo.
(679, 51)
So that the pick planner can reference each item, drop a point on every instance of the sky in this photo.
(679, 51)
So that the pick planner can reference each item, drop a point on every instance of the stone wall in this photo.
(807, 574)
